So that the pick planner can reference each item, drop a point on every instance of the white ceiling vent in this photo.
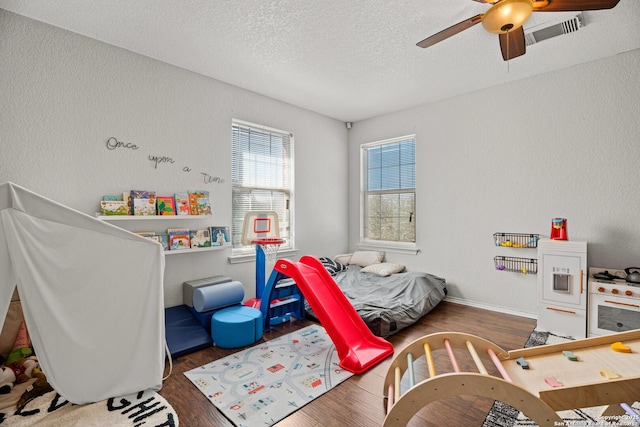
(552, 29)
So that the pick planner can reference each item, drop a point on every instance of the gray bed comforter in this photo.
(389, 304)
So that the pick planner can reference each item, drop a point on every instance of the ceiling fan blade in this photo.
(451, 31)
(512, 44)
(572, 5)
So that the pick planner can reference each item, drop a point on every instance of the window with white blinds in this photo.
(389, 191)
(262, 178)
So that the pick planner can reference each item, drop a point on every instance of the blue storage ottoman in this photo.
(236, 326)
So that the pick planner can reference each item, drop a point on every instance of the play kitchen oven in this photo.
(614, 300)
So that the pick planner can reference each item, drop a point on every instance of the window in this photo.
(262, 178)
(389, 191)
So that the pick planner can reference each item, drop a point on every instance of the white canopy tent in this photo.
(92, 296)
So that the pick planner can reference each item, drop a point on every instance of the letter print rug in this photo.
(503, 415)
(261, 385)
(143, 409)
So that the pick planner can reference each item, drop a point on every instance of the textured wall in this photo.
(510, 158)
(64, 95)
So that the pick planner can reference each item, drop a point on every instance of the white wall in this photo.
(63, 95)
(509, 159)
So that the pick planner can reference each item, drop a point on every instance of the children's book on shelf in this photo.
(149, 196)
(182, 203)
(112, 198)
(220, 236)
(113, 207)
(126, 196)
(179, 239)
(163, 238)
(144, 207)
(165, 205)
(204, 206)
(151, 235)
(200, 238)
(193, 203)
(199, 203)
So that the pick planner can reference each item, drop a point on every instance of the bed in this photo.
(386, 297)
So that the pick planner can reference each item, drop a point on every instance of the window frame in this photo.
(391, 245)
(245, 253)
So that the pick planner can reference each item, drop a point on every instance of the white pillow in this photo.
(365, 258)
(343, 258)
(383, 269)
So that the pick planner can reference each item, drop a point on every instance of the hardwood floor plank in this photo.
(359, 400)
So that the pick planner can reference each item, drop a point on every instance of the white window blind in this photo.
(388, 191)
(262, 178)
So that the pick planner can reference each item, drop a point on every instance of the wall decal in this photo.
(113, 143)
(160, 159)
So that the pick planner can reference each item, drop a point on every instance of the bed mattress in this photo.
(391, 303)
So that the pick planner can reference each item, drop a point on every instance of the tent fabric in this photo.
(92, 296)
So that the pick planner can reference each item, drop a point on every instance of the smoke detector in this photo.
(550, 29)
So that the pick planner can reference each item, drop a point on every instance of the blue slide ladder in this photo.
(281, 300)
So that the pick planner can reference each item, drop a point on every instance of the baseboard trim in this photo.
(499, 309)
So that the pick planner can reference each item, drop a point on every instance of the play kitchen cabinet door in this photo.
(562, 287)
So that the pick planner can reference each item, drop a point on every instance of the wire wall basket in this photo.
(516, 240)
(517, 265)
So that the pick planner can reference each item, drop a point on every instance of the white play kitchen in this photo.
(614, 300)
(579, 303)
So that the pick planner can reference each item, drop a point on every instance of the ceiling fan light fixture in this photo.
(506, 15)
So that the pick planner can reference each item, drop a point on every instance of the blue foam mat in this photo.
(183, 332)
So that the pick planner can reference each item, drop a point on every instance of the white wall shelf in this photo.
(193, 250)
(151, 217)
(109, 218)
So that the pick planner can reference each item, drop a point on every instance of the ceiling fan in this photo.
(506, 17)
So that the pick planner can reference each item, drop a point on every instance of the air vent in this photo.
(551, 29)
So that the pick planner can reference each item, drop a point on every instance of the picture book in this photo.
(193, 203)
(204, 206)
(126, 196)
(151, 235)
(144, 207)
(113, 207)
(200, 238)
(164, 240)
(220, 236)
(182, 203)
(179, 239)
(112, 198)
(199, 203)
(150, 196)
(165, 205)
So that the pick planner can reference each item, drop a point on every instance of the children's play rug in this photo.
(147, 409)
(263, 384)
(503, 415)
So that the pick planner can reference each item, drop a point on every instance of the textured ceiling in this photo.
(347, 59)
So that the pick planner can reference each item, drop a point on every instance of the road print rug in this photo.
(263, 384)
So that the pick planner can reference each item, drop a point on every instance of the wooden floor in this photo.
(359, 400)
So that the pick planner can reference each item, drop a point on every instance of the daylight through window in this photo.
(388, 190)
(262, 178)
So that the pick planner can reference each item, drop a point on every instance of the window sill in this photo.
(389, 247)
(251, 257)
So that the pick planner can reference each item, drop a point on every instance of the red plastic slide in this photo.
(358, 349)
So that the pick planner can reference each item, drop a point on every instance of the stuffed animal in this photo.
(17, 372)
(21, 347)
(38, 388)
(23, 367)
(7, 380)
